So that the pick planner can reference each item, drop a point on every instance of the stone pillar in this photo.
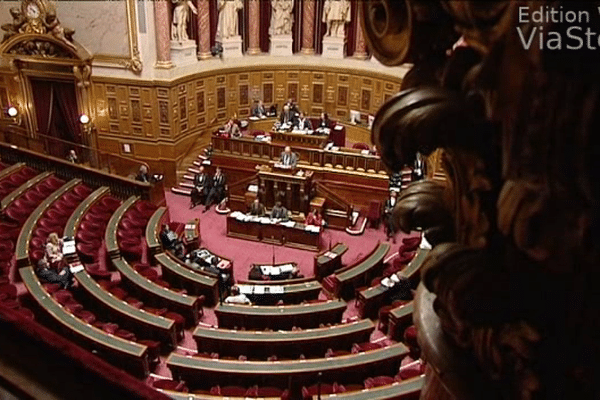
(308, 27)
(163, 36)
(360, 47)
(254, 24)
(203, 30)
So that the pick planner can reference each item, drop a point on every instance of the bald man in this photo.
(288, 158)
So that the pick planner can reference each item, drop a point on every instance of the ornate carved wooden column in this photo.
(308, 27)
(204, 30)
(163, 38)
(254, 39)
(360, 47)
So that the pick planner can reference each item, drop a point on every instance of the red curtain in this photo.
(42, 101)
(320, 27)
(265, 23)
(297, 28)
(351, 28)
(214, 20)
(66, 106)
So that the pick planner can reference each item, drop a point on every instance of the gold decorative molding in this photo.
(132, 62)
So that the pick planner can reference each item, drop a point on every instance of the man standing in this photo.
(388, 210)
(304, 123)
(259, 110)
(257, 208)
(217, 190)
(287, 158)
(201, 187)
(287, 116)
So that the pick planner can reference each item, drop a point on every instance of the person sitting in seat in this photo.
(287, 116)
(272, 111)
(208, 151)
(201, 187)
(72, 157)
(303, 123)
(170, 241)
(388, 220)
(232, 129)
(324, 122)
(217, 189)
(143, 175)
(259, 110)
(257, 208)
(314, 218)
(53, 252)
(236, 297)
(279, 212)
(288, 159)
(50, 275)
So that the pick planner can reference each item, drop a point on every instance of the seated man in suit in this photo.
(63, 277)
(72, 157)
(259, 110)
(314, 218)
(236, 297)
(170, 241)
(288, 159)
(303, 123)
(257, 208)
(388, 222)
(143, 175)
(201, 187)
(217, 189)
(279, 212)
(287, 116)
(324, 122)
(232, 129)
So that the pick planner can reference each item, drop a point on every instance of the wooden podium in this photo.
(292, 188)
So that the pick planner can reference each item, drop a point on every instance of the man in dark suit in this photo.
(388, 209)
(324, 122)
(419, 170)
(201, 187)
(217, 190)
(257, 208)
(279, 212)
(288, 159)
(287, 116)
(259, 110)
(170, 241)
(304, 123)
(143, 175)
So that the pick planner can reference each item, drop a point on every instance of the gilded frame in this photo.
(132, 62)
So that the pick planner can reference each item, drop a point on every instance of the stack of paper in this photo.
(246, 289)
(253, 188)
(259, 289)
(286, 268)
(276, 289)
(330, 254)
(253, 118)
(190, 226)
(69, 247)
(76, 267)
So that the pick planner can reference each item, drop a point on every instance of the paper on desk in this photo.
(76, 267)
(288, 224)
(330, 254)
(275, 271)
(253, 188)
(69, 247)
(276, 289)
(387, 282)
(286, 268)
(246, 289)
(259, 289)
(190, 226)
(265, 269)
(253, 118)
(395, 278)
(365, 152)
(338, 127)
(265, 220)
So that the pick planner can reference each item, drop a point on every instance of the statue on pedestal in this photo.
(336, 13)
(281, 17)
(181, 14)
(228, 19)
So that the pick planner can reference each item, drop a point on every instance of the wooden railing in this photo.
(120, 186)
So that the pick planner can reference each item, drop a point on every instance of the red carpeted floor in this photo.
(244, 252)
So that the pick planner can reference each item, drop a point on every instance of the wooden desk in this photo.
(130, 356)
(204, 372)
(409, 389)
(400, 319)
(153, 229)
(287, 344)
(18, 192)
(191, 234)
(194, 283)
(329, 261)
(314, 141)
(280, 317)
(286, 272)
(191, 396)
(296, 189)
(156, 295)
(110, 236)
(22, 247)
(362, 273)
(371, 299)
(292, 292)
(295, 236)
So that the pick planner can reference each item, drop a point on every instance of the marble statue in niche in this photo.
(281, 17)
(336, 13)
(228, 19)
(181, 14)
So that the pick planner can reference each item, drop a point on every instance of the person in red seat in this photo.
(236, 297)
(47, 274)
(232, 129)
(314, 218)
(171, 241)
(54, 254)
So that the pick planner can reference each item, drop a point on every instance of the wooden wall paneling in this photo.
(317, 93)
(304, 82)
(268, 93)
(147, 115)
(365, 100)
(221, 98)
(281, 94)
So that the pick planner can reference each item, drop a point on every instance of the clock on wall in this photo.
(34, 12)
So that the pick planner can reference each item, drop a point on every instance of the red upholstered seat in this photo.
(34, 196)
(406, 257)
(36, 256)
(149, 273)
(118, 292)
(25, 313)
(88, 252)
(134, 302)
(378, 381)
(52, 287)
(72, 306)
(168, 384)
(368, 346)
(412, 241)
(411, 370)
(269, 392)
(124, 234)
(108, 327)
(153, 348)
(361, 146)
(82, 191)
(236, 391)
(162, 283)
(86, 316)
(310, 391)
(155, 311)
(125, 334)
(88, 236)
(410, 336)
(62, 296)
(110, 202)
(13, 304)
(9, 290)
(37, 243)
